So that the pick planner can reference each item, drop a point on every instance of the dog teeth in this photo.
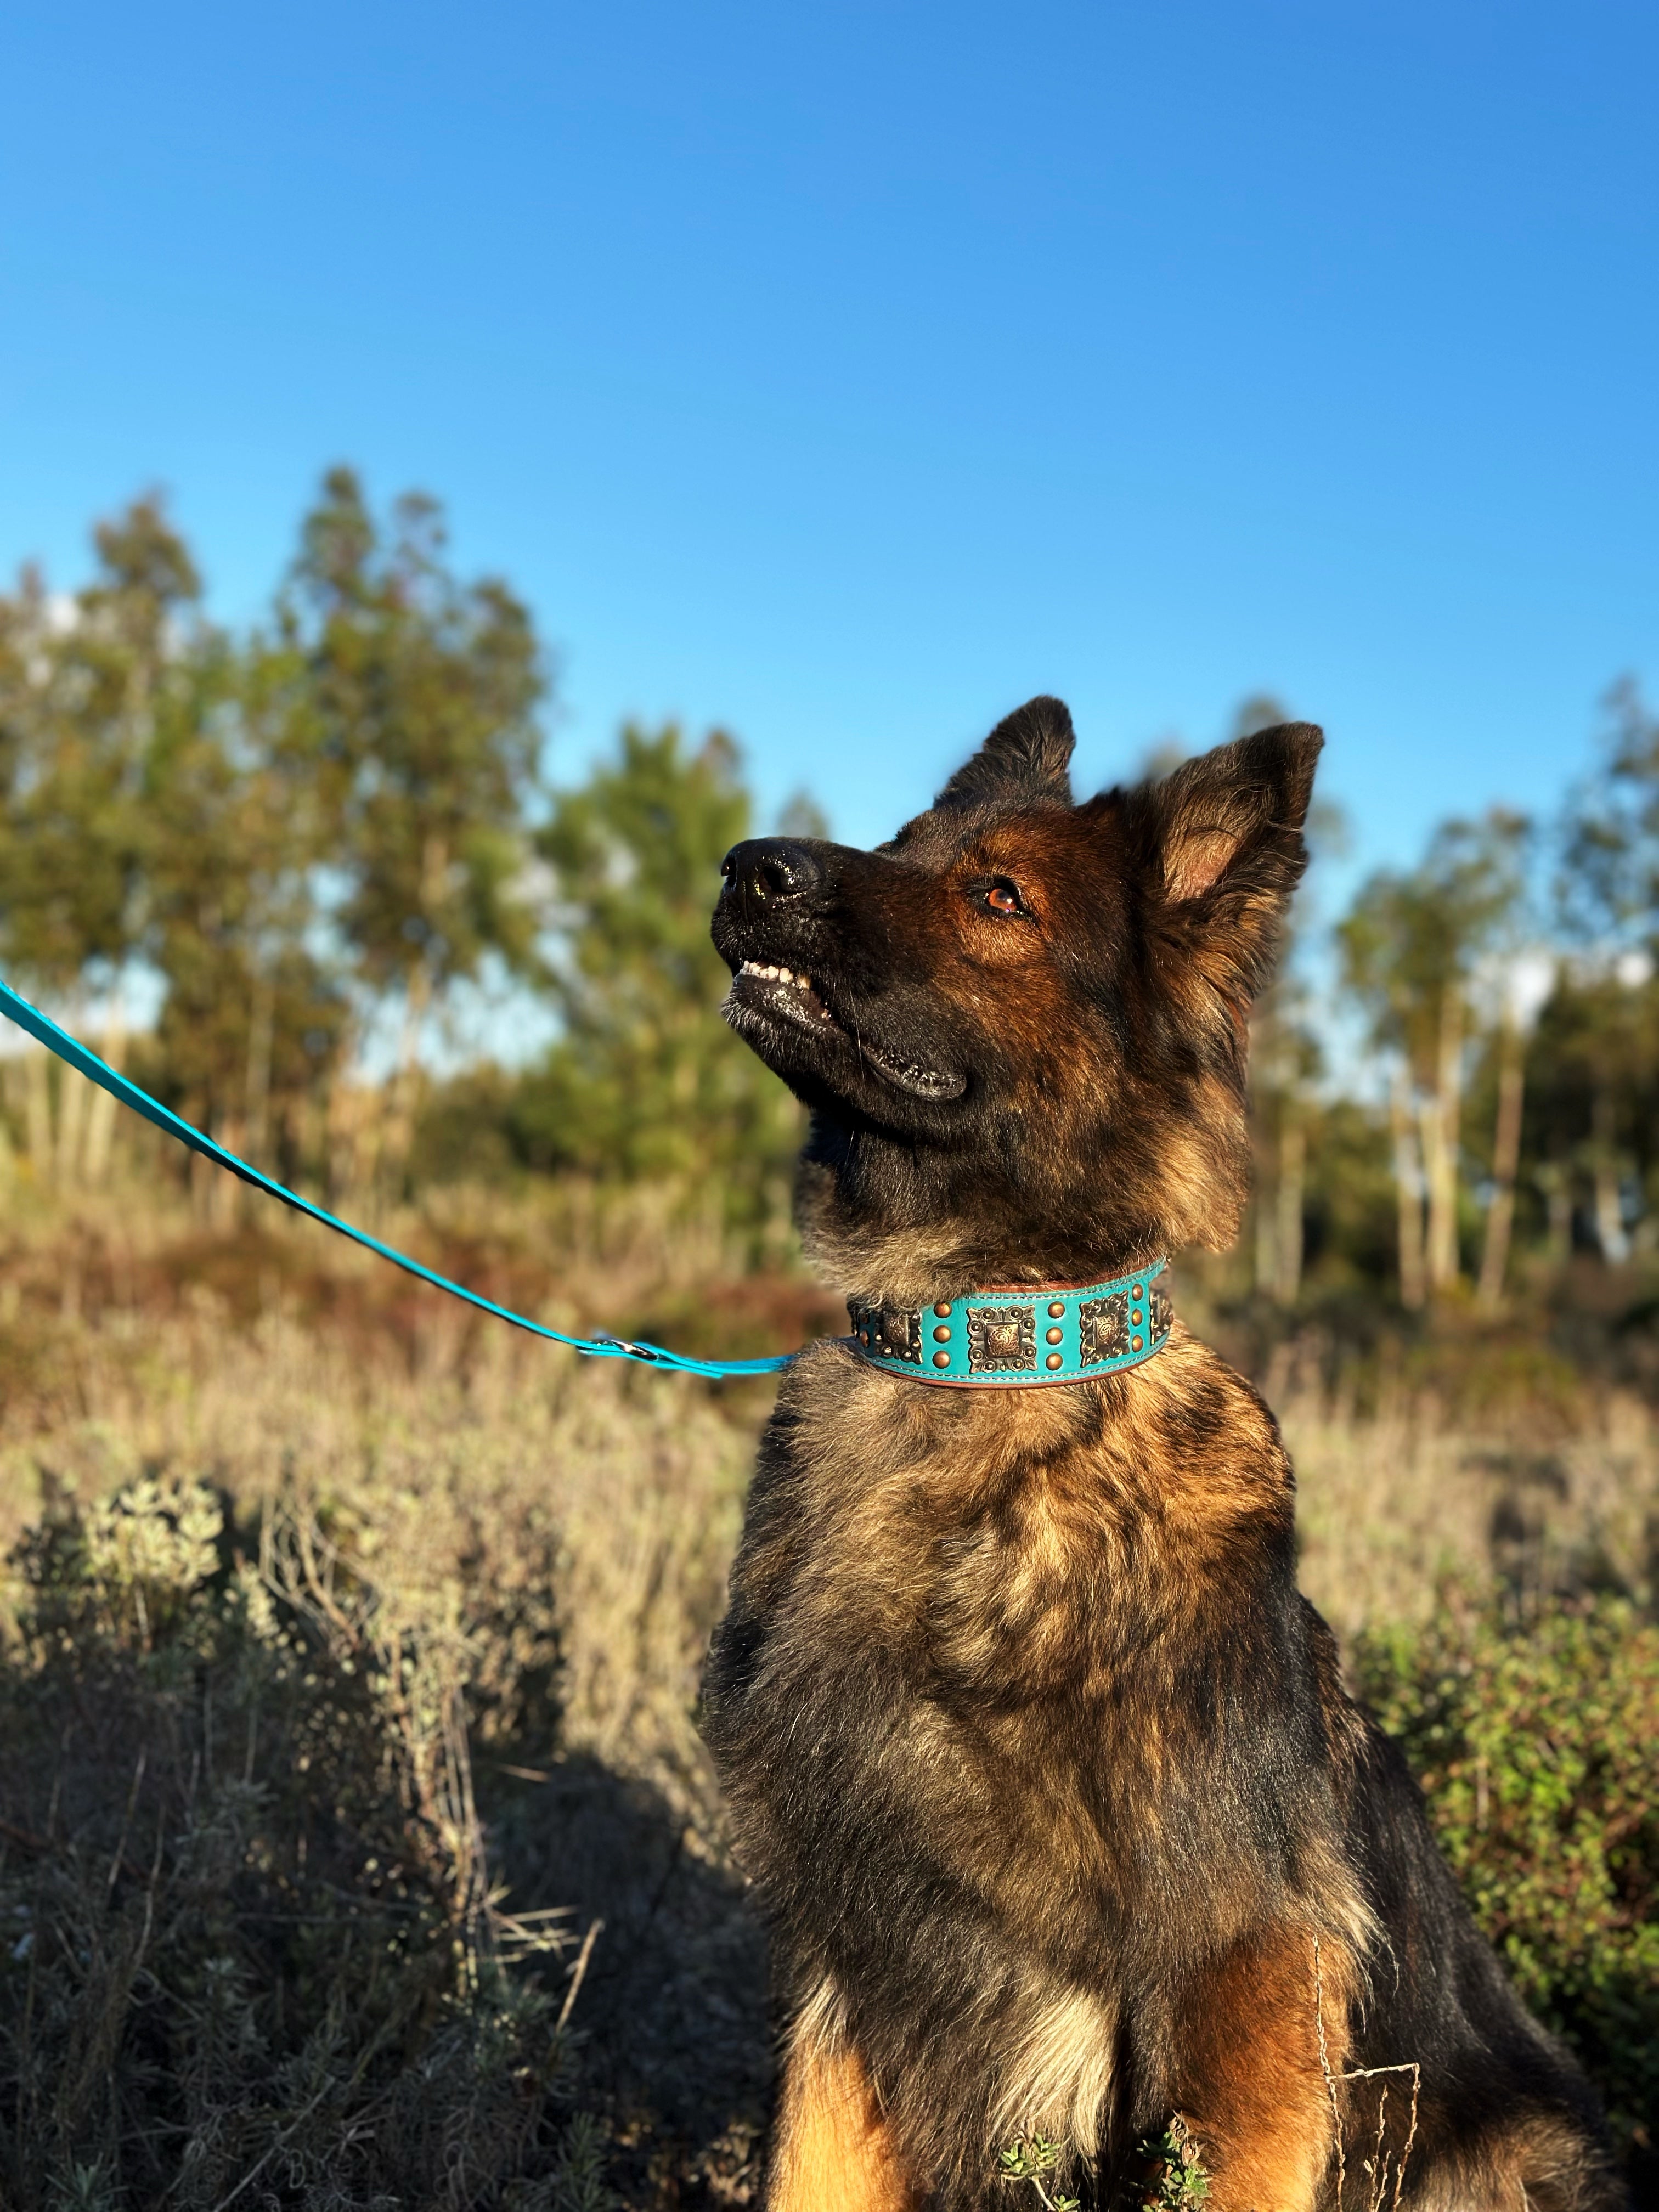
(774, 975)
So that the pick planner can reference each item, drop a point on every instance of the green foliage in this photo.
(1032, 2158)
(84, 689)
(414, 709)
(255, 1017)
(290, 827)
(648, 1083)
(1608, 884)
(1349, 1205)
(1536, 1749)
(1176, 2178)
(1173, 2175)
(1410, 939)
(1593, 1093)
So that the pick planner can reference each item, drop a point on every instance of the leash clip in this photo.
(652, 1354)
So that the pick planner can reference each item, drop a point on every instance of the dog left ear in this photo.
(1025, 758)
(1222, 849)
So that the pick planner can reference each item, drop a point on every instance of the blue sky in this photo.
(845, 375)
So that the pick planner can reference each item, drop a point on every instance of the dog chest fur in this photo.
(976, 1704)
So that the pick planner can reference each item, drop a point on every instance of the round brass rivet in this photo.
(1138, 1292)
(941, 1359)
(943, 1312)
(941, 1336)
(1053, 1336)
(1137, 1344)
(1056, 1309)
(1055, 1360)
(1137, 1317)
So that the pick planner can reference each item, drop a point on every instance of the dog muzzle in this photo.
(1021, 1336)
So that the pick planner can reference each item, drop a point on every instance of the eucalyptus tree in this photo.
(86, 683)
(1598, 1126)
(1285, 1058)
(1411, 946)
(645, 1083)
(414, 726)
(1607, 882)
(254, 1010)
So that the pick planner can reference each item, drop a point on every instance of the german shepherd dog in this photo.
(1043, 1771)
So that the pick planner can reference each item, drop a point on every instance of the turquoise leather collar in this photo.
(1021, 1336)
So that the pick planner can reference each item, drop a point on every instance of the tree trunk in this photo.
(1555, 1181)
(261, 1027)
(1407, 1182)
(351, 1148)
(1442, 1126)
(1287, 1209)
(1505, 1159)
(256, 1080)
(398, 1136)
(1265, 1113)
(225, 1190)
(1609, 1213)
(74, 1094)
(37, 1113)
(100, 1114)
(203, 1176)
(1266, 1242)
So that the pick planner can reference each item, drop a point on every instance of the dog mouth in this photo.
(768, 995)
(781, 992)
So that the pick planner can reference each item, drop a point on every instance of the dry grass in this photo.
(472, 1477)
(496, 1497)
(1392, 1507)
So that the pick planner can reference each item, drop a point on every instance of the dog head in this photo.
(1021, 1024)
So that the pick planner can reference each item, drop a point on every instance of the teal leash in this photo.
(69, 1049)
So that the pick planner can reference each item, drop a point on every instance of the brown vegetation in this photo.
(479, 1503)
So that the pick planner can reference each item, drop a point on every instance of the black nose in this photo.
(769, 868)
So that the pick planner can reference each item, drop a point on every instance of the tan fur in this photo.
(832, 2149)
(1258, 2097)
(1058, 2075)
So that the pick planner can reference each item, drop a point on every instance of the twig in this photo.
(1330, 2078)
(1380, 2156)
(30, 1843)
(1411, 2136)
(126, 1819)
(576, 1973)
(45, 1845)
(1373, 2073)
(271, 2149)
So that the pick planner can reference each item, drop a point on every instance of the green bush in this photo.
(1537, 1746)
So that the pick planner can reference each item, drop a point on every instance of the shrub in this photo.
(248, 1951)
(1537, 1747)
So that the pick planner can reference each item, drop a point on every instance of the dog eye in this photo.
(1003, 897)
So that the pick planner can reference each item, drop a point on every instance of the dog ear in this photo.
(1024, 758)
(1222, 850)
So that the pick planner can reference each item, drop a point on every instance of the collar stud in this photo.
(1019, 1336)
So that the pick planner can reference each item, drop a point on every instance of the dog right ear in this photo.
(1025, 758)
(1222, 850)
